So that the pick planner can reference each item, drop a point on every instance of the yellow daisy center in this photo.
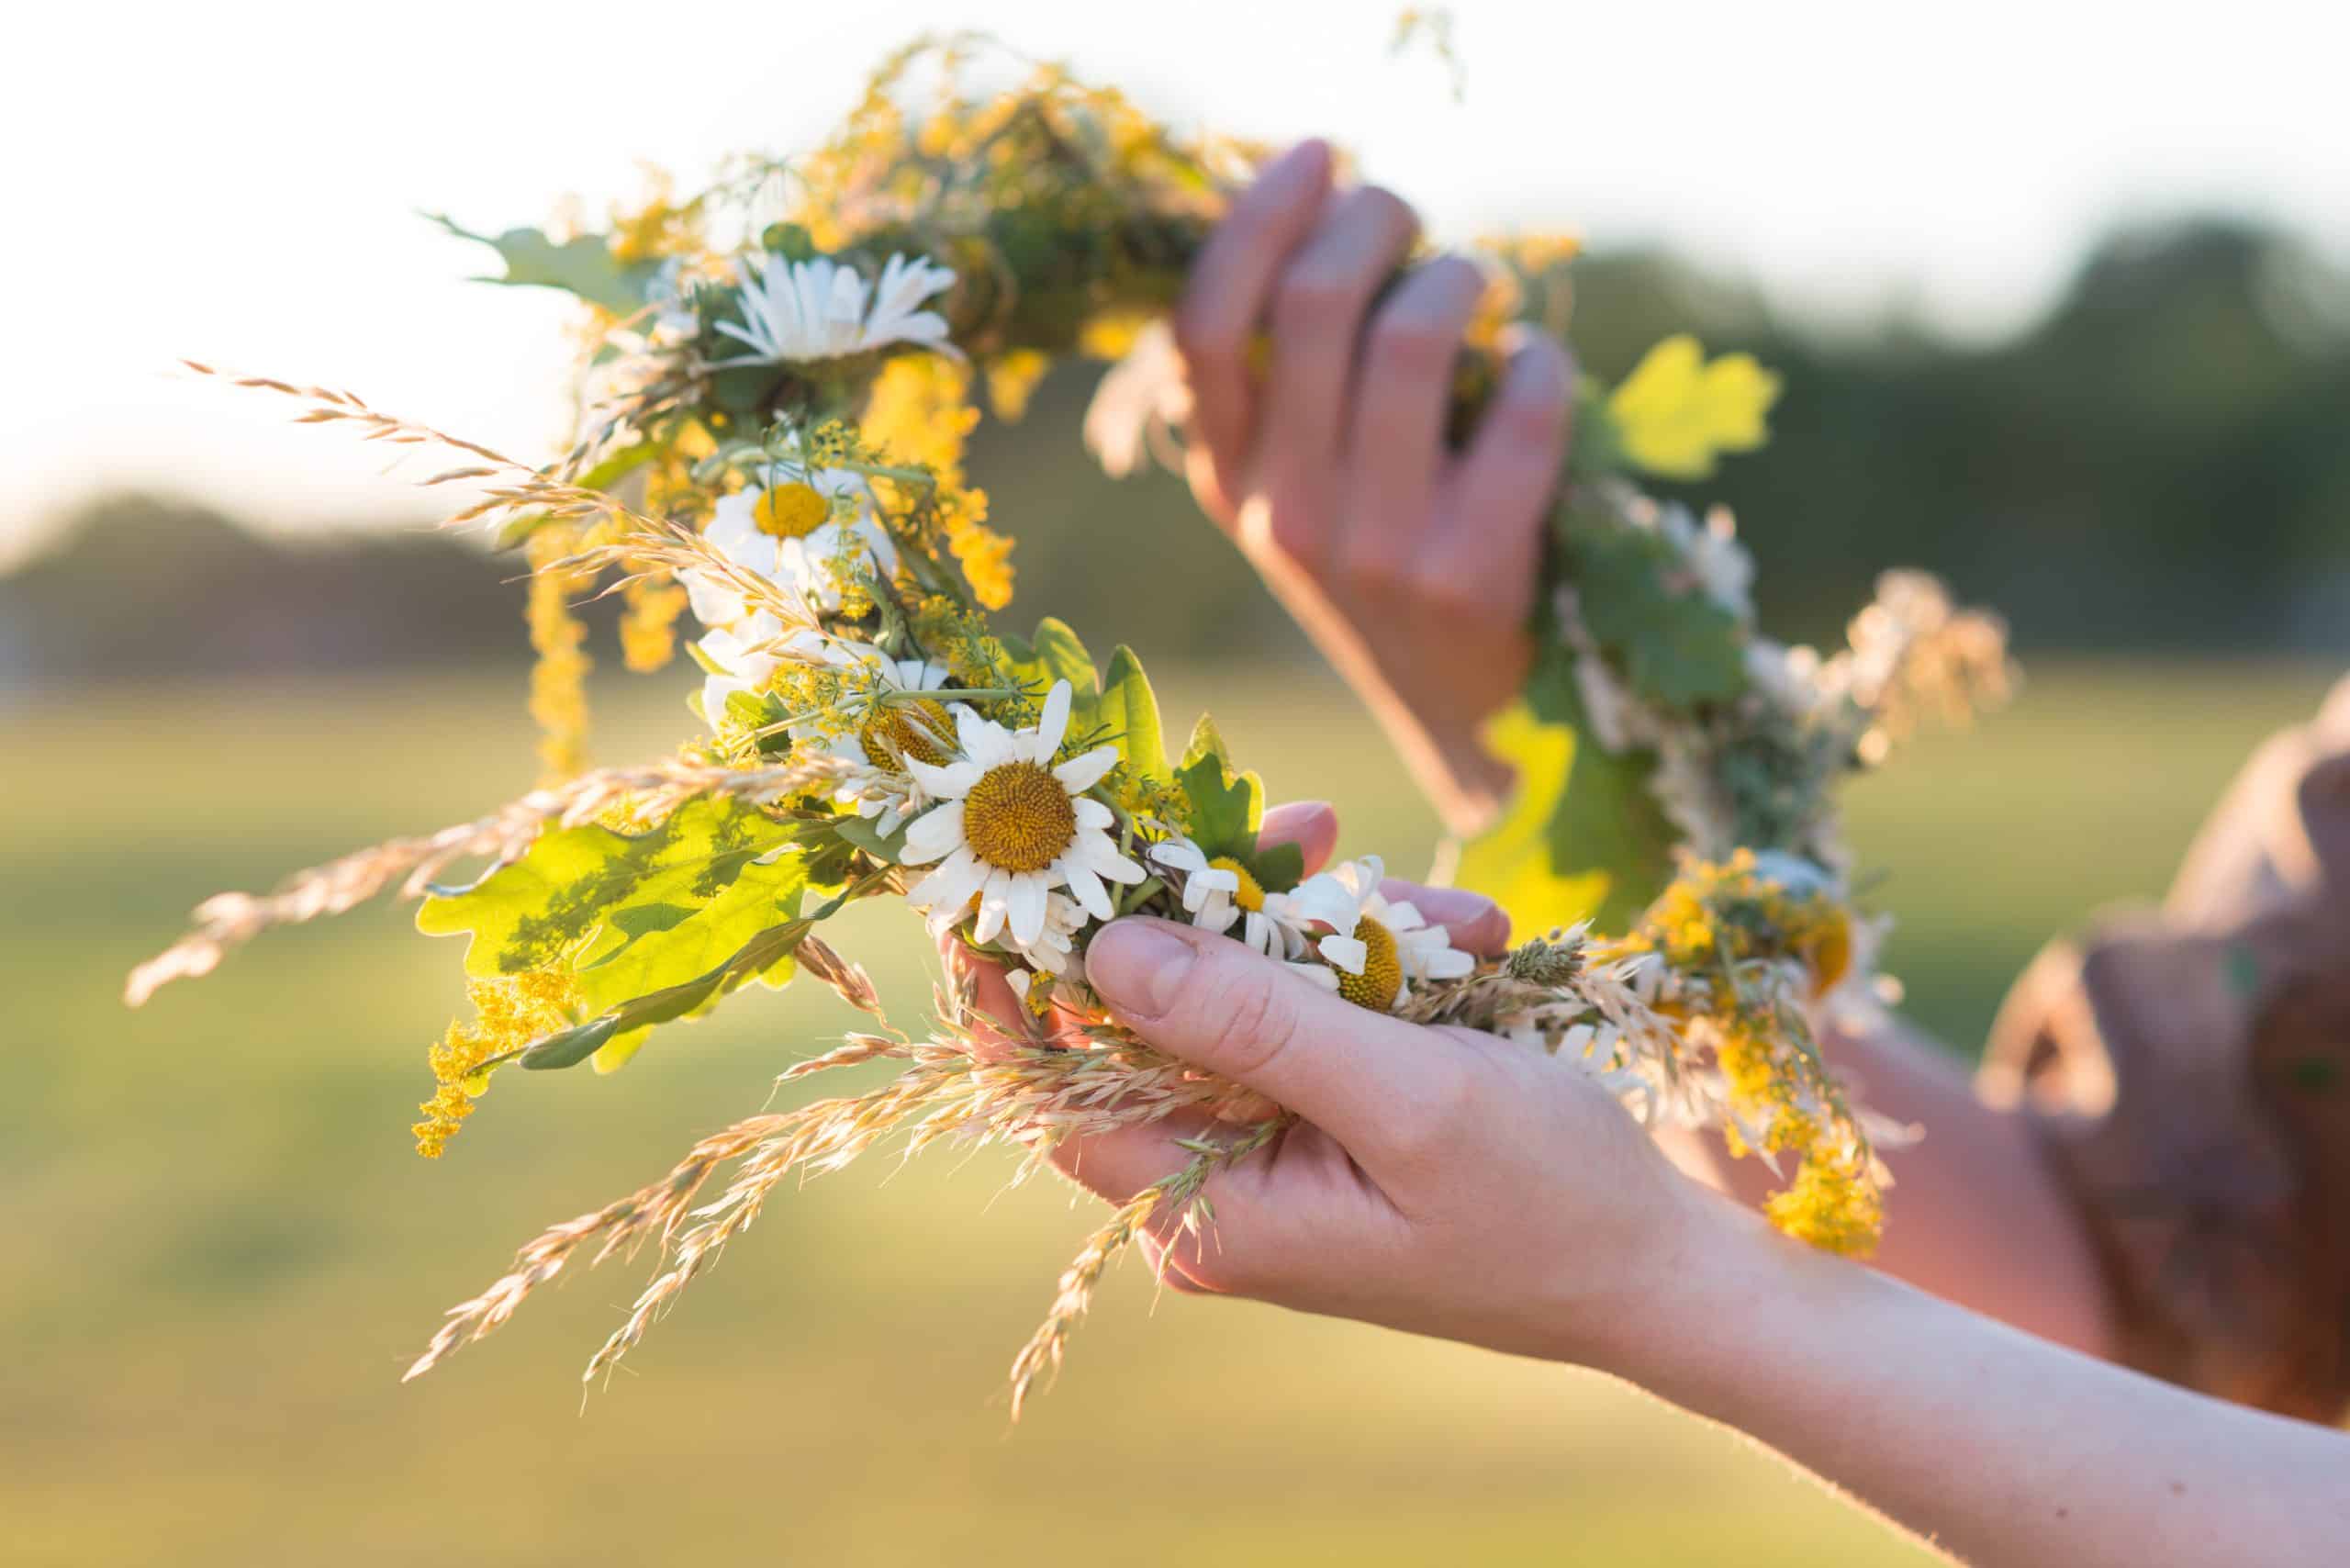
(1382, 968)
(791, 511)
(1251, 894)
(918, 729)
(1018, 817)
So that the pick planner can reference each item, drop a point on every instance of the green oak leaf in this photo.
(651, 946)
(583, 264)
(1130, 709)
(648, 945)
(1227, 810)
(1673, 644)
(762, 953)
(1206, 741)
(1584, 837)
(559, 901)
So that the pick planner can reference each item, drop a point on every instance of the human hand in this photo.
(1442, 1180)
(1411, 565)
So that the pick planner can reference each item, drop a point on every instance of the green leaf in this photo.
(1206, 741)
(1227, 810)
(1278, 868)
(1055, 654)
(583, 264)
(1598, 449)
(1226, 807)
(1130, 707)
(560, 901)
(890, 851)
(1676, 413)
(1671, 642)
(650, 945)
(1582, 836)
(759, 955)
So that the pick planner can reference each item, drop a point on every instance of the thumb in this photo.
(1364, 1077)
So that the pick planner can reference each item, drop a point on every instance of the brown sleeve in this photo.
(2190, 1069)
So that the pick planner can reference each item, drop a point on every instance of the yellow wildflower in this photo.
(648, 622)
(559, 679)
(511, 1012)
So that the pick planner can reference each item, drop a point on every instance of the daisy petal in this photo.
(1086, 888)
(1026, 907)
(1082, 773)
(1344, 952)
(938, 831)
(954, 779)
(1450, 963)
(1053, 724)
(1103, 857)
(995, 903)
(950, 887)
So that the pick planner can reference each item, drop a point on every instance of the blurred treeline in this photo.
(2162, 461)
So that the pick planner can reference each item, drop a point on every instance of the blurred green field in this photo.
(222, 1251)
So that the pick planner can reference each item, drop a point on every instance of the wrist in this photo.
(1703, 1262)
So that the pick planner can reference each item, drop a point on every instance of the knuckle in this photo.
(1311, 300)
(1294, 531)
(1376, 572)
(1412, 346)
(1255, 1023)
(1453, 597)
(1532, 422)
(1203, 341)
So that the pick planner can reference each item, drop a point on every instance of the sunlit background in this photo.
(2061, 296)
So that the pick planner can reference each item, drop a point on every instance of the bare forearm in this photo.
(1976, 1216)
(1995, 1445)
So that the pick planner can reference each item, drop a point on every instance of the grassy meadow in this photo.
(222, 1250)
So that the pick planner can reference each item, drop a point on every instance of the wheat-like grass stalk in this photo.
(523, 487)
(619, 1225)
(1037, 1097)
(228, 920)
(1184, 1192)
(848, 979)
(645, 545)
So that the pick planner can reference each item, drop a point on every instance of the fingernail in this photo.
(1137, 966)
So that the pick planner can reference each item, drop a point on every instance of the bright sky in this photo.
(238, 182)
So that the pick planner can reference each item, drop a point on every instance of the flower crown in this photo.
(770, 439)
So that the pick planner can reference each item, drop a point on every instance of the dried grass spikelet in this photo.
(228, 920)
(1182, 1195)
(1034, 1098)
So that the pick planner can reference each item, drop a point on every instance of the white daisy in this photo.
(797, 311)
(1222, 892)
(745, 654)
(1064, 918)
(890, 735)
(1010, 826)
(789, 536)
(1376, 947)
